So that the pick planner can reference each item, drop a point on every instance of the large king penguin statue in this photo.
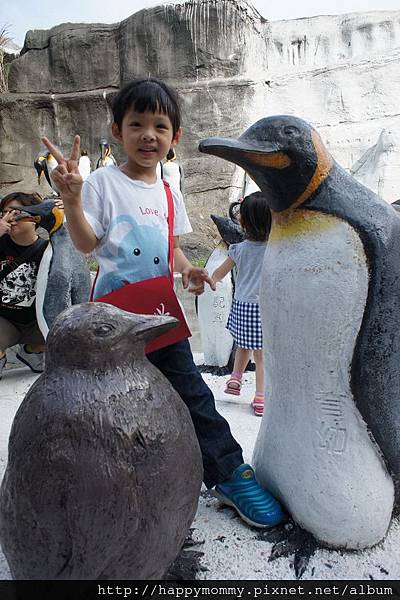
(329, 442)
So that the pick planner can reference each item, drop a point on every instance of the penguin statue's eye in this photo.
(156, 260)
(103, 330)
(291, 130)
(136, 251)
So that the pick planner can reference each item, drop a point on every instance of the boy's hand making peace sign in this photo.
(66, 175)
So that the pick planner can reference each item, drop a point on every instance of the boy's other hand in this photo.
(66, 175)
(195, 278)
(5, 222)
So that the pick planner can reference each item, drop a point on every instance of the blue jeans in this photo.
(220, 451)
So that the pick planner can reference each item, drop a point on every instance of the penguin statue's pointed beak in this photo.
(46, 214)
(245, 152)
(148, 327)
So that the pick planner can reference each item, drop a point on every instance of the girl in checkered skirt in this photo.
(244, 321)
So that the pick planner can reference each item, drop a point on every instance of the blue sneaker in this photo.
(255, 505)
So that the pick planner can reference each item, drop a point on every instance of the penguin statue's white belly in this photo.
(213, 312)
(313, 450)
(41, 286)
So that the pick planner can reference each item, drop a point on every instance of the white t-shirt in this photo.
(129, 218)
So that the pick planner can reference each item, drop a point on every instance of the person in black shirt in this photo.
(21, 251)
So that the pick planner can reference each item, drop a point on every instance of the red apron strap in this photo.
(170, 221)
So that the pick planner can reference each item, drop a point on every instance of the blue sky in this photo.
(21, 15)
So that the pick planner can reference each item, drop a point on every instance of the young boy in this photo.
(120, 215)
(21, 251)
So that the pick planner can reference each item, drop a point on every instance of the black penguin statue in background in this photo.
(104, 468)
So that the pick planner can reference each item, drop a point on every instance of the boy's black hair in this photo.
(255, 216)
(21, 198)
(147, 95)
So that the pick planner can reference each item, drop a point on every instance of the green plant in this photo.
(199, 262)
(92, 263)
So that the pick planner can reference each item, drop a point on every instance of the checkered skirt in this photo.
(244, 324)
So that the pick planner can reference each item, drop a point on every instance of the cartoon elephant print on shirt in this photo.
(141, 254)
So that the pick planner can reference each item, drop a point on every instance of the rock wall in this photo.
(231, 67)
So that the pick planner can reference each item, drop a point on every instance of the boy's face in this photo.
(146, 137)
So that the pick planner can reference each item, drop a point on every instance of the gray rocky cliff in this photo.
(230, 66)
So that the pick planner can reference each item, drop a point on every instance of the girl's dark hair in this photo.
(255, 216)
(147, 95)
(20, 198)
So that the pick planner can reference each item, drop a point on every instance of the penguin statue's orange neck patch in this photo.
(59, 219)
(276, 160)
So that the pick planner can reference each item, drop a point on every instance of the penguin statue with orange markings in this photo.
(63, 277)
(329, 442)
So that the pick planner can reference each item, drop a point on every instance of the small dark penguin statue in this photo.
(104, 468)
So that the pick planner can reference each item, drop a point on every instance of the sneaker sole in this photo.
(28, 365)
(247, 520)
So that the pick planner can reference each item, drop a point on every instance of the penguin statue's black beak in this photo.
(45, 214)
(258, 158)
(149, 327)
(396, 205)
(246, 153)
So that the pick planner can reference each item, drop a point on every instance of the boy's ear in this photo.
(177, 137)
(116, 132)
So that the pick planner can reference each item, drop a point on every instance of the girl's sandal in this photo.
(233, 386)
(258, 405)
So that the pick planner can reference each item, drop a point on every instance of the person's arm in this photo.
(223, 270)
(68, 180)
(194, 277)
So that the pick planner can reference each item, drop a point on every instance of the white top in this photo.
(129, 218)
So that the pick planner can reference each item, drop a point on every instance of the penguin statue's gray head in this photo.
(284, 155)
(94, 334)
(230, 232)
